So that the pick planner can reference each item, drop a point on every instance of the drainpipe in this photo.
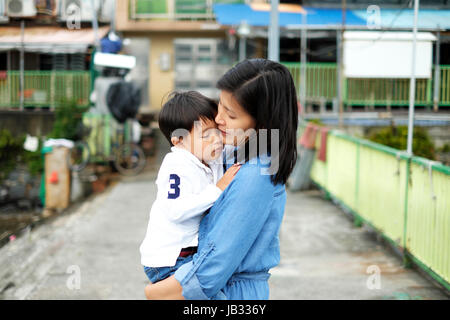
(303, 63)
(95, 24)
(274, 32)
(437, 73)
(412, 83)
(22, 67)
(341, 65)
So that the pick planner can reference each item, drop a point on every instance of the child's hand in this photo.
(228, 176)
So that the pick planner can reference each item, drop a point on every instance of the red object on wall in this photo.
(53, 177)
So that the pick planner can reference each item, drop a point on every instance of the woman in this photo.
(238, 238)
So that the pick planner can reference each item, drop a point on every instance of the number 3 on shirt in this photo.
(175, 186)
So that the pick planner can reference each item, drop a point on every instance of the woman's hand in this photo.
(228, 177)
(167, 289)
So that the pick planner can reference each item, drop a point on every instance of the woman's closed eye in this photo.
(206, 134)
(228, 112)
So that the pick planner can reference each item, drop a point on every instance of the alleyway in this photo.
(323, 255)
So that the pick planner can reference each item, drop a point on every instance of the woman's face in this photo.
(233, 121)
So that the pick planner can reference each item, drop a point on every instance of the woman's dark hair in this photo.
(182, 109)
(265, 89)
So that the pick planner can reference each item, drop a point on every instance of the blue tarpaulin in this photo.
(235, 14)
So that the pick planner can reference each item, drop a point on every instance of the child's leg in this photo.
(147, 290)
(167, 289)
(155, 275)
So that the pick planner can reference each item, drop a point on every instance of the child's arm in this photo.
(182, 204)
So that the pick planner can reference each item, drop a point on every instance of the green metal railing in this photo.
(321, 80)
(386, 92)
(444, 92)
(406, 199)
(174, 9)
(45, 88)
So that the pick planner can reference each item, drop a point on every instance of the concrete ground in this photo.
(324, 256)
(92, 252)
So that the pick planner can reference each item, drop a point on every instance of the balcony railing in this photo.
(44, 88)
(404, 198)
(321, 84)
(175, 9)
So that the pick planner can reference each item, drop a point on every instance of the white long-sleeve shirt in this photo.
(186, 189)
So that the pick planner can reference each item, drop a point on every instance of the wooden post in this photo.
(57, 179)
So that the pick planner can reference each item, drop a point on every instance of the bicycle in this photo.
(128, 158)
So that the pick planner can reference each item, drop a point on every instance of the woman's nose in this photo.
(219, 119)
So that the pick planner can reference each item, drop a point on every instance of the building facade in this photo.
(181, 45)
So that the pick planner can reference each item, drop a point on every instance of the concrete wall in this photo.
(163, 82)
(35, 123)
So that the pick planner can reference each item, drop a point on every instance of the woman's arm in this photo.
(235, 222)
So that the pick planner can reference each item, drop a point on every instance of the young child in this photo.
(189, 181)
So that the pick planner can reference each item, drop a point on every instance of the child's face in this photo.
(204, 140)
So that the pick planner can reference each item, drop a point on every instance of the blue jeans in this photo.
(161, 273)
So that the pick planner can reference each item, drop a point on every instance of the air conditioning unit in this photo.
(107, 10)
(20, 8)
(77, 9)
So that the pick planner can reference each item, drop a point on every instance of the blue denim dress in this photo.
(238, 240)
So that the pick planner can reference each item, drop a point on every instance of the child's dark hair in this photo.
(182, 109)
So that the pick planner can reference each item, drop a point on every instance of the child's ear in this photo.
(176, 140)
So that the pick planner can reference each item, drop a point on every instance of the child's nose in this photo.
(216, 136)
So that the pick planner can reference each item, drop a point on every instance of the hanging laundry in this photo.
(322, 154)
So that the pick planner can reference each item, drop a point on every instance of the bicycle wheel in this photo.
(130, 159)
(78, 156)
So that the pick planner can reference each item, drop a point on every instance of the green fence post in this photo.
(407, 263)
(429, 102)
(357, 222)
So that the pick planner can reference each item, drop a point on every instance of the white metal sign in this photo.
(369, 54)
